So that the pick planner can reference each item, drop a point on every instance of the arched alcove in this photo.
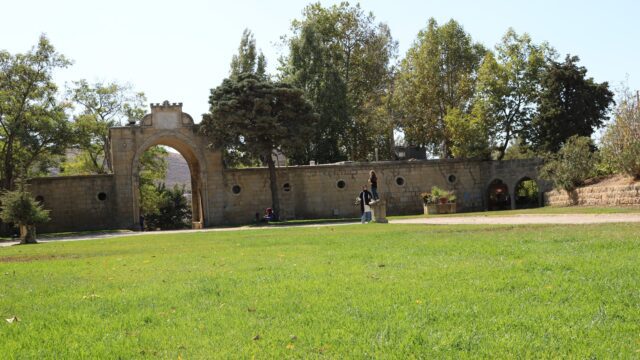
(498, 196)
(527, 193)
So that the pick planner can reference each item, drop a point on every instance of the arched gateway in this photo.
(236, 196)
(165, 125)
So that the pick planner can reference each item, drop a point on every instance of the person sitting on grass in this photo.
(269, 215)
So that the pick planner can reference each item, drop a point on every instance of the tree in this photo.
(33, 124)
(100, 106)
(258, 117)
(247, 61)
(508, 86)
(569, 104)
(341, 59)
(621, 141)
(572, 165)
(19, 207)
(469, 132)
(173, 211)
(437, 74)
(153, 171)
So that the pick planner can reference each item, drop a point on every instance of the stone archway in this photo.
(181, 144)
(166, 125)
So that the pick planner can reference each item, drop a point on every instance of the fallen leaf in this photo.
(13, 319)
(418, 301)
(290, 346)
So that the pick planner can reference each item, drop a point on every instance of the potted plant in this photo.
(429, 203)
(439, 201)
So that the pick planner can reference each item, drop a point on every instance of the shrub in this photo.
(174, 212)
(621, 141)
(572, 165)
(20, 208)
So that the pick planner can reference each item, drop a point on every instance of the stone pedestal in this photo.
(379, 211)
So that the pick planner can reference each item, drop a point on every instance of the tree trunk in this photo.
(275, 203)
(107, 154)
(28, 234)
(7, 183)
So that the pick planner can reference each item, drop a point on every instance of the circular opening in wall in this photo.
(40, 199)
(400, 181)
(451, 178)
(341, 184)
(102, 196)
(286, 187)
(236, 189)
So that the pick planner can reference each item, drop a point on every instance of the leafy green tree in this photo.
(341, 59)
(572, 165)
(438, 74)
(153, 171)
(19, 207)
(508, 86)
(33, 124)
(258, 117)
(621, 141)
(174, 212)
(100, 106)
(247, 60)
(569, 104)
(469, 132)
(519, 149)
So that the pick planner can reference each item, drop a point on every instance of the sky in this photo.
(179, 50)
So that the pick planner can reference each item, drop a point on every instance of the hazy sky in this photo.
(179, 50)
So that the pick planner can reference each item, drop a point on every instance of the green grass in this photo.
(549, 210)
(352, 291)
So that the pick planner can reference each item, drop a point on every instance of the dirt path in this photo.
(480, 220)
(110, 235)
(525, 219)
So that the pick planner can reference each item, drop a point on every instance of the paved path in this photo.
(495, 220)
(109, 235)
(524, 219)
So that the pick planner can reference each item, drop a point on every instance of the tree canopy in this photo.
(100, 106)
(437, 75)
(247, 60)
(341, 58)
(508, 87)
(258, 117)
(33, 123)
(570, 104)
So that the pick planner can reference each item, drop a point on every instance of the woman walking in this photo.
(373, 180)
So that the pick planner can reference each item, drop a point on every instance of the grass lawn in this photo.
(549, 210)
(383, 291)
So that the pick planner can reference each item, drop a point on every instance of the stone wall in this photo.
(233, 196)
(317, 191)
(76, 203)
(596, 196)
(306, 192)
